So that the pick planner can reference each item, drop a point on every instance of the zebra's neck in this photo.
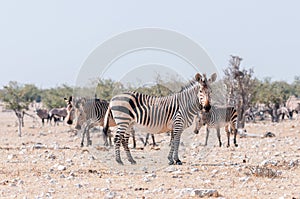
(189, 104)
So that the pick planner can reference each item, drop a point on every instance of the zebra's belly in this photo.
(153, 129)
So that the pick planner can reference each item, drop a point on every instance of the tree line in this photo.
(242, 90)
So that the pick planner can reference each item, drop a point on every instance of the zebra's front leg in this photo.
(88, 137)
(153, 140)
(82, 139)
(133, 137)
(127, 150)
(173, 154)
(207, 135)
(219, 136)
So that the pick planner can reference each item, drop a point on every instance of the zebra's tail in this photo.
(108, 114)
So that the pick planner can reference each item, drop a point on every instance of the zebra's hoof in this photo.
(236, 145)
(171, 162)
(196, 132)
(81, 145)
(178, 162)
(228, 145)
(120, 162)
(133, 162)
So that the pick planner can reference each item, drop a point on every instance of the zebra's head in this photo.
(70, 110)
(75, 112)
(205, 90)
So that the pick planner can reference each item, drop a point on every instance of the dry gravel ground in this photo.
(47, 162)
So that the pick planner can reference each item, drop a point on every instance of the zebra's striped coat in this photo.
(87, 113)
(217, 118)
(158, 114)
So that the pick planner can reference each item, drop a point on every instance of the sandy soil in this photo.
(47, 162)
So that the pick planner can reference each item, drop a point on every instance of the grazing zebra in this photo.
(43, 114)
(158, 114)
(57, 114)
(217, 118)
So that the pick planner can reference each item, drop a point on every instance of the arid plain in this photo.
(48, 162)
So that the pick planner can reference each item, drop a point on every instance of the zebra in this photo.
(217, 118)
(43, 114)
(174, 112)
(57, 114)
(89, 113)
(293, 106)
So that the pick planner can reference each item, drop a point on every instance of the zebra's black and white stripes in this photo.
(217, 118)
(88, 113)
(158, 114)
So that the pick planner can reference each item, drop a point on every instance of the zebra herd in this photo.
(153, 115)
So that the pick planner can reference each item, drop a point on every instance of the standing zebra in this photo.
(217, 118)
(158, 114)
(87, 113)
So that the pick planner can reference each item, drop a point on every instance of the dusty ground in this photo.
(47, 162)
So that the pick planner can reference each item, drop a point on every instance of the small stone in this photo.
(205, 193)
(170, 169)
(61, 168)
(104, 190)
(145, 179)
(11, 156)
(12, 184)
(78, 185)
(194, 170)
(110, 195)
(244, 179)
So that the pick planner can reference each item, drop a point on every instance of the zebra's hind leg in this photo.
(88, 137)
(228, 136)
(118, 138)
(234, 138)
(127, 150)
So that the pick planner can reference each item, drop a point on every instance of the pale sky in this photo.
(46, 42)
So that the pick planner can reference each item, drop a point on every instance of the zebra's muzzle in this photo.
(207, 108)
(78, 127)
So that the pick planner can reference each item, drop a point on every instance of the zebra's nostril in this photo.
(69, 122)
(207, 108)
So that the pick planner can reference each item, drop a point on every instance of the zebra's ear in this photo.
(213, 77)
(198, 77)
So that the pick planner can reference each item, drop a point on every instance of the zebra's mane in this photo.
(192, 83)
